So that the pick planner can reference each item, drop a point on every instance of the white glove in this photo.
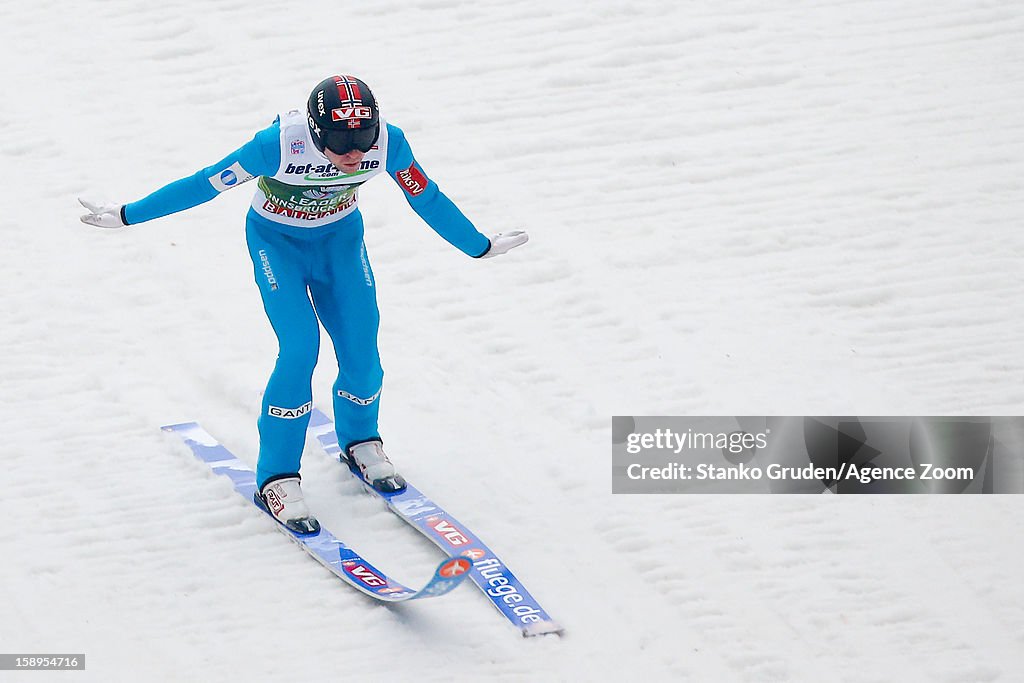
(102, 215)
(504, 241)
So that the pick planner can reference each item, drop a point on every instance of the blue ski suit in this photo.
(305, 237)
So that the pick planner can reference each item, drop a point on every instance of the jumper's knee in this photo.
(361, 388)
(297, 361)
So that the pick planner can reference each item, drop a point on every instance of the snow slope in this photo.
(734, 207)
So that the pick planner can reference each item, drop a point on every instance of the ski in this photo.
(341, 560)
(488, 572)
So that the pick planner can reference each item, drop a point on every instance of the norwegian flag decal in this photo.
(348, 91)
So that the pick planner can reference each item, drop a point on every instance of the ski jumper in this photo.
(305, 237)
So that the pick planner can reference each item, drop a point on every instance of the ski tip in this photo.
(192, 431)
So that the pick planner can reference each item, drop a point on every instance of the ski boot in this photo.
(368, 461)
(281, 497)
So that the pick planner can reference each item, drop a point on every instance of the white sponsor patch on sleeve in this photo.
(230, 177)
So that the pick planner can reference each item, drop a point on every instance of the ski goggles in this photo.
(345, 141)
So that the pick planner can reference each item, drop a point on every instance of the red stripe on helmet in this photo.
(348, 88)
